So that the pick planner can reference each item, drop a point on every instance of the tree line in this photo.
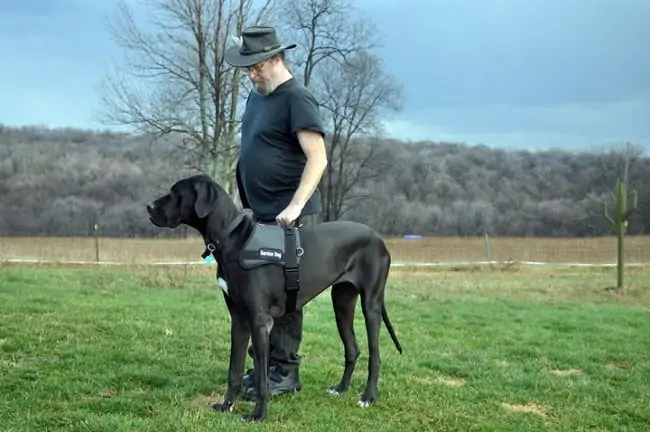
(63, 181)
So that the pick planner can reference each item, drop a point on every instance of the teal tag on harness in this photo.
(209, 259)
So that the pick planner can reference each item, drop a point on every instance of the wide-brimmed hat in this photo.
(258, 43)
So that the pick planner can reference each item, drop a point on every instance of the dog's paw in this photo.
(338, 389)
(223, 407)
(253, 417)
(365, 403)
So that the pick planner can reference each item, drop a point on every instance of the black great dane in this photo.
(270, 269)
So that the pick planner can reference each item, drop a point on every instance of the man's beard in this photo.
(265, 88)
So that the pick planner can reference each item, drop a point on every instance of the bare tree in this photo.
(175, 82)
(614, 162)
(355, 97)
(618, 161)
(324, 29)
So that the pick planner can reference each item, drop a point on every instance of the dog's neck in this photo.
(217, 229)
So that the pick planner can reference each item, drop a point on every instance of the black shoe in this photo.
(279, 383)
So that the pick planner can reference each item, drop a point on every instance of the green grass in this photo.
(143, 350)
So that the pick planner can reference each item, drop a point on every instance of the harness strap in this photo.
(292, 282)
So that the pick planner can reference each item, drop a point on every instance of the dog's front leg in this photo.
(261, 329)
(239, 336)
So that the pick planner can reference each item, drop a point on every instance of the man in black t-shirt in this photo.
(282, 158)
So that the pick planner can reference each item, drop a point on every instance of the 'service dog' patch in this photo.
(270, 254)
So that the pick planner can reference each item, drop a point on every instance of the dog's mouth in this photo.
(158, 216)
(162, 222)
(154, 217)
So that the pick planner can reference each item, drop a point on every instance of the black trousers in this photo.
(286, 334)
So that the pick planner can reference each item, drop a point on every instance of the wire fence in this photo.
(416, 252)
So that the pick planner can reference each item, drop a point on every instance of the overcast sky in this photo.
(506, 73)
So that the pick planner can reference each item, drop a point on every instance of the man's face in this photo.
(263, 76)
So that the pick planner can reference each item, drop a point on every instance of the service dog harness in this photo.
(269, 245)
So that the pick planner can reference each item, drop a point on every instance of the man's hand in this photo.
(289, 214)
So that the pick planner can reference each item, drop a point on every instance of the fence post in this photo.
(95, 228)
(488, 249)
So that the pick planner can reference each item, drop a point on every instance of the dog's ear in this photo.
(206, 198)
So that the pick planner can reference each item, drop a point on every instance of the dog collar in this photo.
(212, 246)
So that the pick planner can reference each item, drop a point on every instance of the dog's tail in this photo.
(389, 326)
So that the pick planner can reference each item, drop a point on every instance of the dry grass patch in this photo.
(203, 401)
(528, 408)
(451, 381)
(105, 394)
(623, 366)
(436, 380)
(564, 372)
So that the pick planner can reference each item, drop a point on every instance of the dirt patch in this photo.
(564, 372)
(529, 408)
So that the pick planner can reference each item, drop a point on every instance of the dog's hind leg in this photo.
(344, 300)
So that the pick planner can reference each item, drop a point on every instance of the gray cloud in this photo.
(571, 126)
(524, 72)
(502, 72)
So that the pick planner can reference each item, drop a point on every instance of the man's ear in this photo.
(206, 198)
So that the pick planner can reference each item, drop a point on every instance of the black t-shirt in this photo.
(271, 160)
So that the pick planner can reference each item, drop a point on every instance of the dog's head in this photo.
(188, 201)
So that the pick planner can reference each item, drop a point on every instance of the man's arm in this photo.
(307, 125)
(313, 145)
(237, 198)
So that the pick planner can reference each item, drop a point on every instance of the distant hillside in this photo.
(56, 182)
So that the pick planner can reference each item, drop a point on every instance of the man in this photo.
(282, 158)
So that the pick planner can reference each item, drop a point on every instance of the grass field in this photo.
(142, 349)
(430, 249)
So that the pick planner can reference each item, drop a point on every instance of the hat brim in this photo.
(234, 58)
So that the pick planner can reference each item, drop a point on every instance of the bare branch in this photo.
(354, 96)
(325, 29)
(174, 79)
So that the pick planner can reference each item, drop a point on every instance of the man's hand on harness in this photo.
(289, 215)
